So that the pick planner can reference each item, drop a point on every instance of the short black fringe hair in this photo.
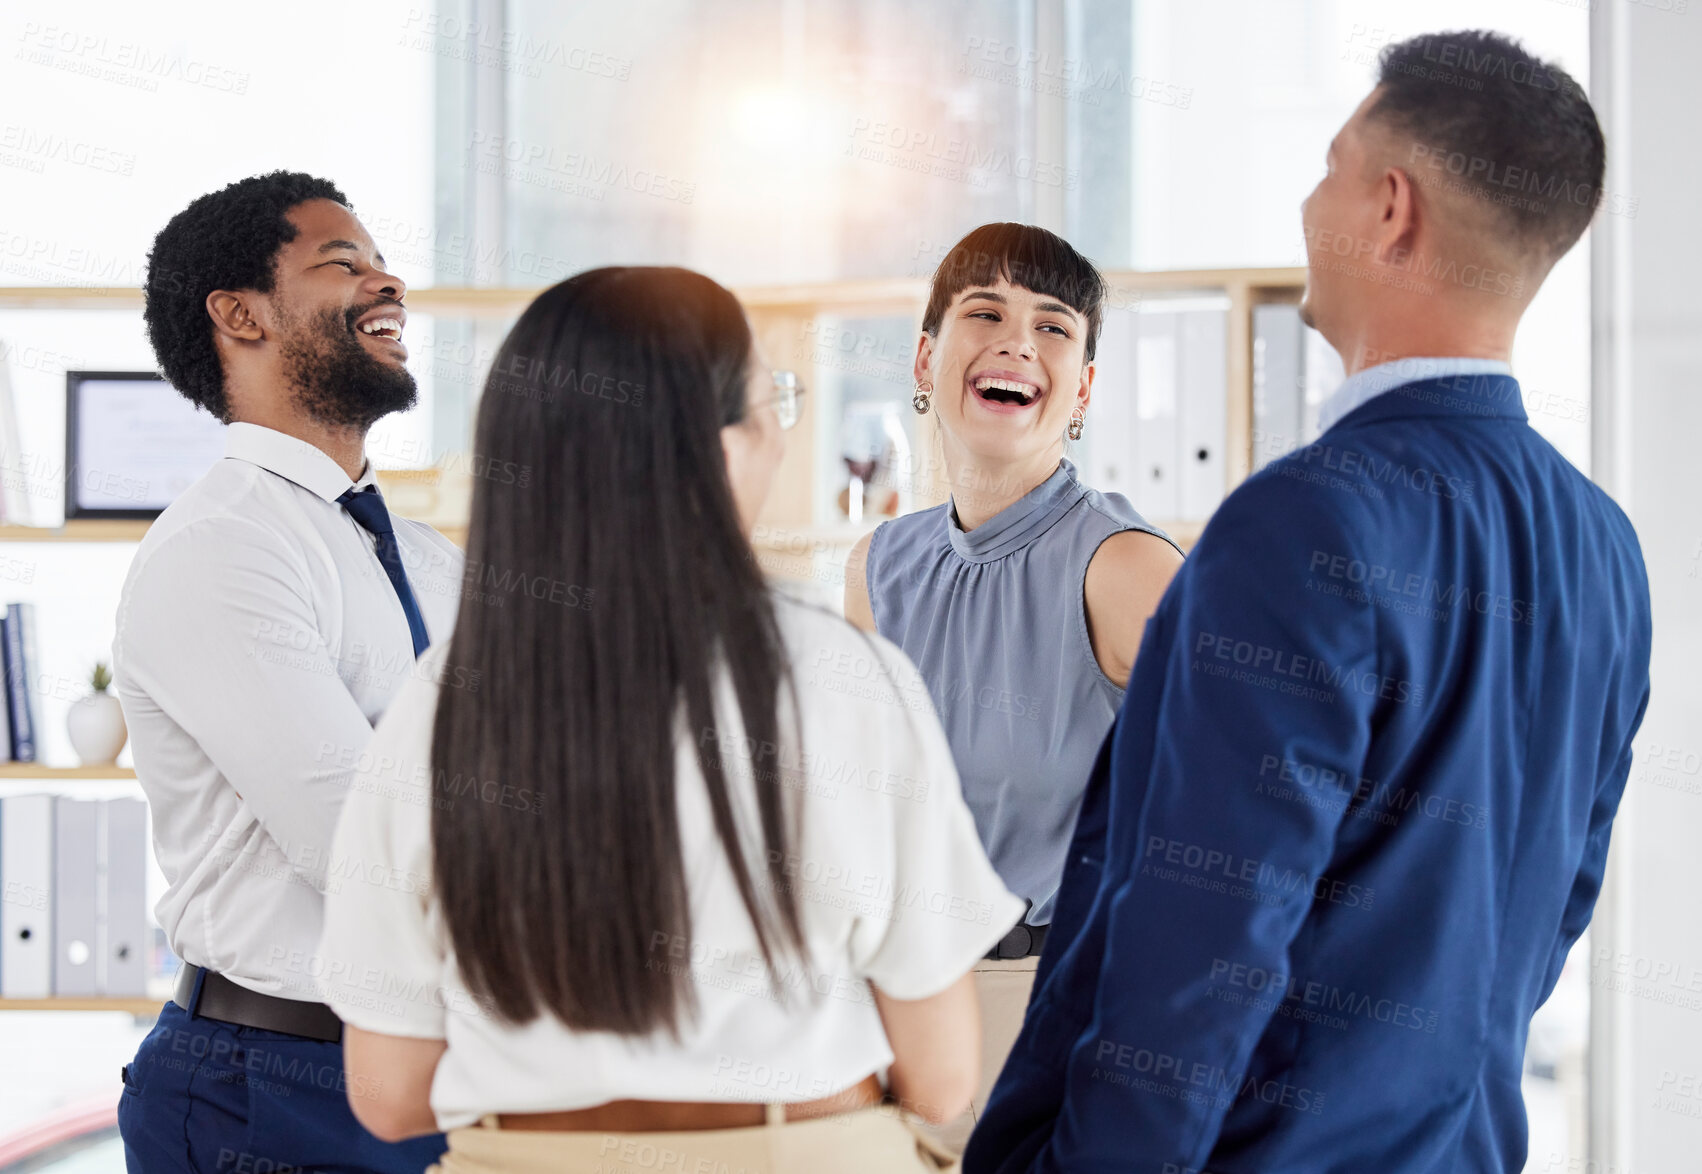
(1024, 255)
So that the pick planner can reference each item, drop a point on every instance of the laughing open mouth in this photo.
(390, 328)
(1006, 391)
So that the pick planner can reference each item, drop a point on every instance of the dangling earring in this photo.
(921, 401)
(1075, 425)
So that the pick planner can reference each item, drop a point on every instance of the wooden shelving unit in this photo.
(839, 539)
(123, 531)
(90, 530)
(860, 296)
(131, 1006)
(780, 316)
(36, 770)
(77, 531)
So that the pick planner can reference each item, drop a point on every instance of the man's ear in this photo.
(924, 355)
(233, 315)
(1397, 222)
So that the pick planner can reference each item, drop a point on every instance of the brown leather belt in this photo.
(227, 1002)
(687, 1116)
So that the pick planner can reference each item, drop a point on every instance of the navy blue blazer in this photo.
(1353, 812)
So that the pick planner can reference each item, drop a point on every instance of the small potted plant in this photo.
(96, 722)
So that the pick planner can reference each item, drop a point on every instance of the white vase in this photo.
(96, 726)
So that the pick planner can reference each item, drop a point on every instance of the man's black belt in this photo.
(227, 1002)
(1024, 941)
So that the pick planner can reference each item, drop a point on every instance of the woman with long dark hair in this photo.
(652, 860)
(1022, 600)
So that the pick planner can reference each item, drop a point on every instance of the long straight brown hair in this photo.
(609, 582)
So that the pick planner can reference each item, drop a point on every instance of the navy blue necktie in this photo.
(367, 507)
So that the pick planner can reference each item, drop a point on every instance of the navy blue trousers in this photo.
(205, 1097)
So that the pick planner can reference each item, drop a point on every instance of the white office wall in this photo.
(1269, 82)
(1647, 953)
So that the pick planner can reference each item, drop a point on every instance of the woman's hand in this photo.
(936, 1050)
(389, 1082)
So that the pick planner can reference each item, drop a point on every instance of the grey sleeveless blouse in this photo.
(996, 623)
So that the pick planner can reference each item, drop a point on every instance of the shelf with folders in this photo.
(792, 324)
(855, 351)
(75, 933)
(1172, 423)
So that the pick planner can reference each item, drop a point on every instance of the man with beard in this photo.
(270, 616)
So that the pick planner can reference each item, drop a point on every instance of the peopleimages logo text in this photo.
(1367, 466)
(1267, 876)
(1282, 663)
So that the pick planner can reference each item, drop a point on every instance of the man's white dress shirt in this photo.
(258, 641)
(1364, 386)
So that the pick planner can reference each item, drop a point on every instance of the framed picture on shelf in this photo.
(132, 444)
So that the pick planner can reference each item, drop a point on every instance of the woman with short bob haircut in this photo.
(1022, 600)
(670, 900)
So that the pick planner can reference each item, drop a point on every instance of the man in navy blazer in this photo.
(1355, 808)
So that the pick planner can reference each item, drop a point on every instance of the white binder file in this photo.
(1278, 382)
(1156, 486)
(26, 896)
(76, 896)
(1324, 373)
(126, 932)
(1204, 383)
(1109, 434)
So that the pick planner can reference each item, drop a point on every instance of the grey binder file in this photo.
(26, 896)
(126, 932)
(76, 896)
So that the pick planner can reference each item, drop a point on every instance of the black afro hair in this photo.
(228, 239)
